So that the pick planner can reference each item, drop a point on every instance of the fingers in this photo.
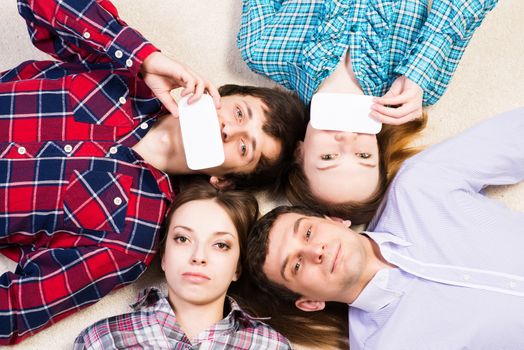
(213, 92)
(386, 119)
(393, 100)
(167, 100)
(408, 108)
(198, 90)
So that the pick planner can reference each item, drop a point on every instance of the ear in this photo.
(238, 272)
(346, 223)
(309, 305)
(220, 183)
(162, 264)
(299, 152)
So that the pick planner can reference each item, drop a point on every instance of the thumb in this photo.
(169, 102)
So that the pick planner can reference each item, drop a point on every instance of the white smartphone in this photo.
(343, 112)
(201, 135)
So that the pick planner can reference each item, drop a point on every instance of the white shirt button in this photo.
(119, 54)
(117, 200)
(113, 150)
(466, 277)
(143, 126)
(512, 284)
(122, 100)
(21, 150)
(68, 148)
(87, 35)
(129, 63)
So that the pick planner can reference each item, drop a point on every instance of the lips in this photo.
(195, 277)
(336, 259)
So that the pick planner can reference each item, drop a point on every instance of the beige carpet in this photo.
(489, 80)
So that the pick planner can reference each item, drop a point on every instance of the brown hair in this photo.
(326, 328)
(393, 149)
(241, 206)
(286, 118)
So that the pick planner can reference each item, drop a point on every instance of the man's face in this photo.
(241, 120)
(316, 257)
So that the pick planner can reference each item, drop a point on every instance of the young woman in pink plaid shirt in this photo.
(205, 236)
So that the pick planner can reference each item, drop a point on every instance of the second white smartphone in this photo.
(343, 112)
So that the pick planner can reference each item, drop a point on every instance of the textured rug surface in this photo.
(489, 80)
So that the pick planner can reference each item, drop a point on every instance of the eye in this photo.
(222, 246)
(243, 148)
(328, 156)
(239, 115)
(181, 239)
(363, 155)
(297, 266)
(308, 234)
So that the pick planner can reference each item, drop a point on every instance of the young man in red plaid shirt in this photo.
(87, 144)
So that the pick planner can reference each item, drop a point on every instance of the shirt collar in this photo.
(383, 237)
(154, 299)
(376, 295)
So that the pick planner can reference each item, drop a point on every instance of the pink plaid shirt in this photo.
(153, 325)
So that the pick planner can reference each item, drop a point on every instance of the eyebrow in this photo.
(250, 116)
(286, 260)
(335, 165)
(216, 233)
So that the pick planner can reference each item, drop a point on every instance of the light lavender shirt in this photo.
(460, 255)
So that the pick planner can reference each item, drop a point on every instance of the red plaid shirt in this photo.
(153, 325)
(80, 211)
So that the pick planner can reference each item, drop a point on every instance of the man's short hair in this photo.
(286, 120)
(258, 247)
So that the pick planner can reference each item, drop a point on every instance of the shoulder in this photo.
(103, 333)
(262, 335)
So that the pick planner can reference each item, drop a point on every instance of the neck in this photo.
(194, 318)
(162, 147)
(374, 262)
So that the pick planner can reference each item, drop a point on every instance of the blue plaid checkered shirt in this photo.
(299, 43)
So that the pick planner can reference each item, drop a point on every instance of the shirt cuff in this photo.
(130, 49)
(424, 61)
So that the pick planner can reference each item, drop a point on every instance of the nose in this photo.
(231, 131)
(341, 136)
(314, 253)
(198, 257)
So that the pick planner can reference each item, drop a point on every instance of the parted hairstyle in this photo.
(286, 120)
(393, 148)
(326, 328)
(241, 206)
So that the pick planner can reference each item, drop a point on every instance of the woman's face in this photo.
(201, 253)
(340, 166)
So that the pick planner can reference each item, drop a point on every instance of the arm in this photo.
(490, 153)
(80, 31)
(50, 284)
(436, 52)
(90, 31)
(273, 32)
(426, 70)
